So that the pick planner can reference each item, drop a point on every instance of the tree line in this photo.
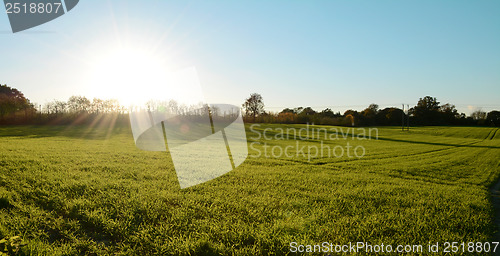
(427, 111)
(15, 108)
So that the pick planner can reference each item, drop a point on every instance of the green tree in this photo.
(327, 112)
(308, 111)
(449, 113)
(306, 115)
(389, 116)
(426, 111)
(288, 110)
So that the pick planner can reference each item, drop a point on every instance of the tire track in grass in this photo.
(320, 161)
(452, 151)
(433, 162)
(494, 190)
(449, 150)
(494, 134)
(446, 148)
(487, 136)
(494, 131)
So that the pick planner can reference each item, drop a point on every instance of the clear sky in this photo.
(337, 54)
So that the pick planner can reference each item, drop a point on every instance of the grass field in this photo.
(83, 191)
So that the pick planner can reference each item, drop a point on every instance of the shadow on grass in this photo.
(97, 132)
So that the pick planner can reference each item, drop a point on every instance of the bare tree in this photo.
(79, 104)
(478, 115)
(97, 106)
(254, 105)
(60, 106)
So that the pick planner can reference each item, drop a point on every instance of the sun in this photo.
(136, 75)
(129, 74)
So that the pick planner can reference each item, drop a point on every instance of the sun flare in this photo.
(129, 75)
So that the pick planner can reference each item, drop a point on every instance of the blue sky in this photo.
(337, 54)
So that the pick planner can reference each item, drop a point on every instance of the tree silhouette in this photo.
(426, 111)
(12, 101)
(79, 104)
(493, 118)
(449, 113)
(478, 115)
(254, 105)
(368, 115)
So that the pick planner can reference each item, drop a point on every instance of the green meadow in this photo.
(77, 190)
